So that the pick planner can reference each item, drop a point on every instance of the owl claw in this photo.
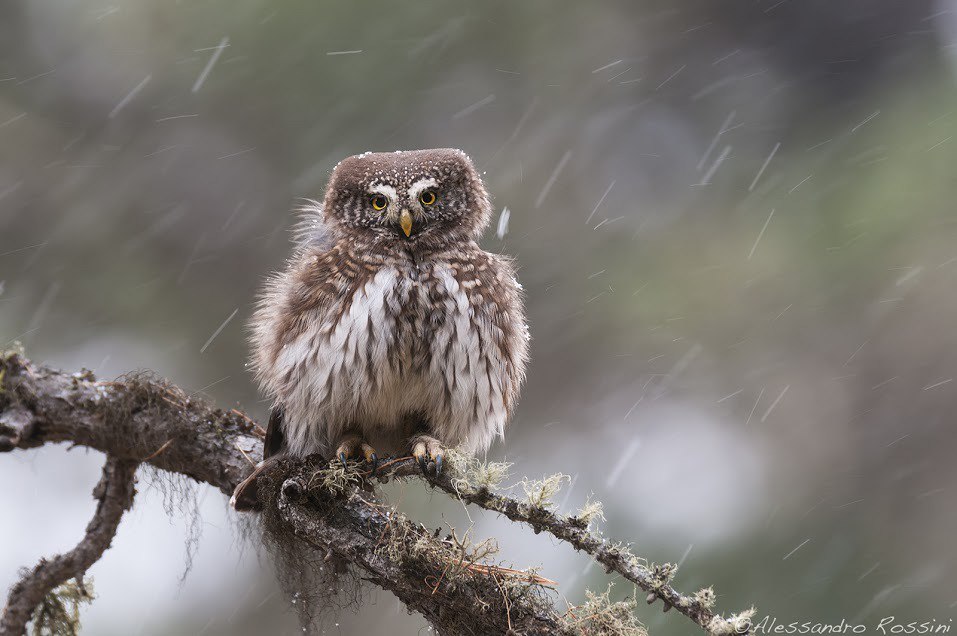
(426, 449)
(353, 446)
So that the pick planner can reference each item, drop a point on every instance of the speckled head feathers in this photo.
(434, 193)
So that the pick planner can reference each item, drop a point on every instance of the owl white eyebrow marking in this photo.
(383, 188)
(419, 186)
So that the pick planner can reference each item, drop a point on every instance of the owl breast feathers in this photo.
(390, 327)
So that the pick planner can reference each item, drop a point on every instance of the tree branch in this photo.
(133, 419)
(424, 572)
(574, 531)
(115, 494)
(141, 419)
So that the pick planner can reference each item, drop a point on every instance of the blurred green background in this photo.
(734, 220)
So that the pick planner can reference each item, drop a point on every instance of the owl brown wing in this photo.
(313, 280)
(500, 298)
(316, 286)
(510, 318)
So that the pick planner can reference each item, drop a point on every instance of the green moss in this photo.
(589, 512)
(336, 478)
(663, 573)
(705, 597)
(598, 615)
(471, 474)
(540, 492)
(59, 612)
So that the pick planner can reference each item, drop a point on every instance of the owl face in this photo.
(408, 196)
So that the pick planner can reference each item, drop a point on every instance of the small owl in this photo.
(391, 331)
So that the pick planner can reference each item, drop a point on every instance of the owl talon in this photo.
(354, 447)
(427, 449)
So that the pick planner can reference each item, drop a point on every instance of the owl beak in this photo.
(405, 221)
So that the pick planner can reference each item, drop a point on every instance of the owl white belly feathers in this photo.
(410, 351)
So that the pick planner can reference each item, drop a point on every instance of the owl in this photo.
(390, 331)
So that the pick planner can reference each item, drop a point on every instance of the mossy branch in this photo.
(140, 419)
(574, 530)
(439, 578)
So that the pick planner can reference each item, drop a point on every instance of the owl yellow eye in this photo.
(427, 197)
(379, 201)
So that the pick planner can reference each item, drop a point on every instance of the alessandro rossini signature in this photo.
(884, 625)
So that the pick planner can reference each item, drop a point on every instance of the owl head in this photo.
(414, 196)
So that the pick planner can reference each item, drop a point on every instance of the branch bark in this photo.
(145, 420)
(575, 532)
(409, 561)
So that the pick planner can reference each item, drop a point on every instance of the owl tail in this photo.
(246, 496)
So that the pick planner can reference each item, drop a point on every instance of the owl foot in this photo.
(425, 449)
(352, 446)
